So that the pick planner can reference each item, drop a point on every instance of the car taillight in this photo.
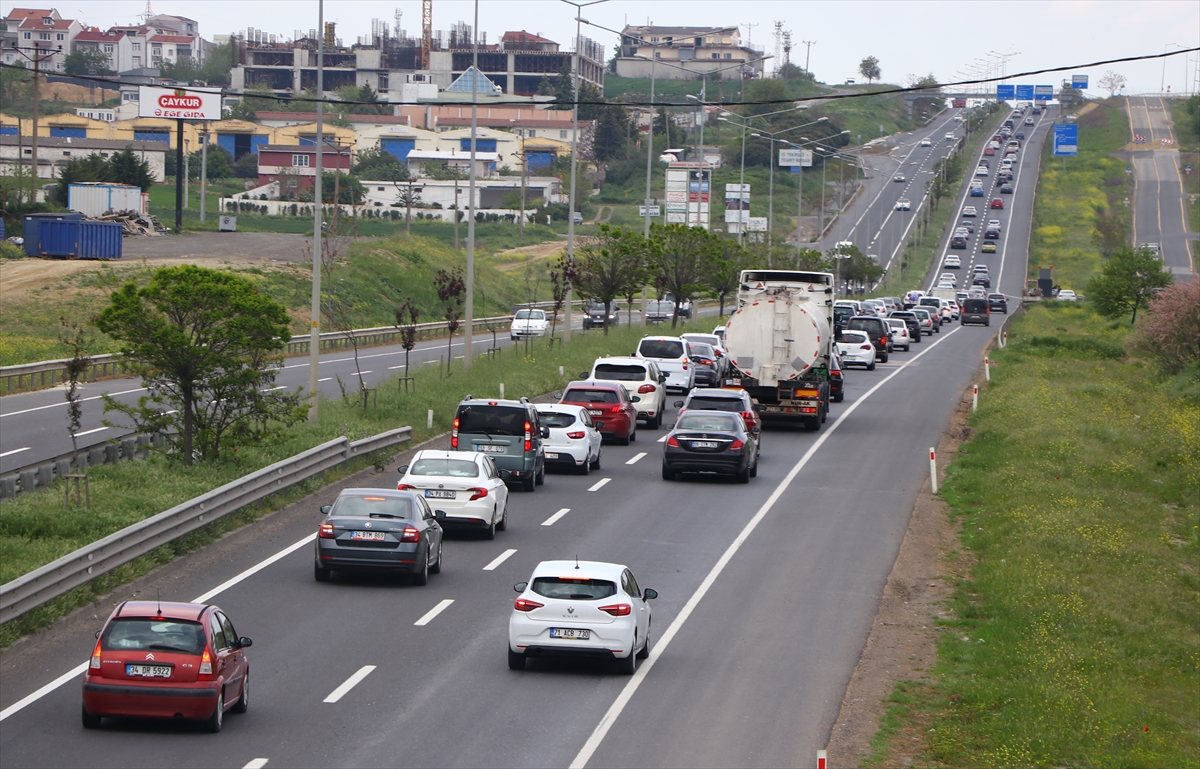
(476, 493)
(326, 531)
(749, 417)
(528, 436)
(206, 673)
(867, 347)
(646, 388)
(576, 436)
(95, 663)
(524, 604)
(404, 487)
(672, 442)
(737, 444)
(617, 609)
(705, 362)
(410, 534)
(685, 364)
(454, 434)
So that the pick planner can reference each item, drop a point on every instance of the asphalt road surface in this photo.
(767, 595)
(1159, 198)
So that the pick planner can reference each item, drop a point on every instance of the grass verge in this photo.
(1074, 640)
(35, 529)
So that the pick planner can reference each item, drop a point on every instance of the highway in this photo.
(767, 592)
(1159, 200)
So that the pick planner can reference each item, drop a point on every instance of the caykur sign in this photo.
(179, 103)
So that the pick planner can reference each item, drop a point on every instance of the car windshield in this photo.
(715, 404)
(531, 315)
(707, 422)
(661, 348)
(454, 468)
(154, 634)
(574, 589)
(557, 419)
(580, 395)
(369, 505)
(620, 372)
(493, 420)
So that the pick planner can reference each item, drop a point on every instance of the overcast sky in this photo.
(912, 37)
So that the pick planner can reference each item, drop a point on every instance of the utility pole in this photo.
(37, 60)
(808, 44)
(203, 171)
(469, 325)
(318, 248)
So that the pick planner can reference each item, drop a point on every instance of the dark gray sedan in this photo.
(379, 530)
(710, 442)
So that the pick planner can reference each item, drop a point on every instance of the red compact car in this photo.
(167, 660)
(997, 203)
(610, 407)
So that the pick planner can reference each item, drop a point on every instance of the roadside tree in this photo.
(1127, 281)
(869, 68)
(1169, 332)
(678, 260)
(609, 267)
(1113, 82)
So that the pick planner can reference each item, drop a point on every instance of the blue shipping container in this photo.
(66, 236)
(100, 240)
(31, 229)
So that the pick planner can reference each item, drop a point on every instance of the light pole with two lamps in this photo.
(743, 123)
(771, 177)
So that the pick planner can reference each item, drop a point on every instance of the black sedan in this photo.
(1006, 189)
(379, 530)
(997, 303)
(710, 441)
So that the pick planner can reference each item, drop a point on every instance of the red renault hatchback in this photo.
(167, 660)
(610, 407)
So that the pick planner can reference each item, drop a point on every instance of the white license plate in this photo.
(577, 634)
(595, 412)
(148, 671)
(704, 444)
(488, 448)
(439, 494)
(368, 536)
(551, 455)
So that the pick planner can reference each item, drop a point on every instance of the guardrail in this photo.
(77, 568)
(42, 474)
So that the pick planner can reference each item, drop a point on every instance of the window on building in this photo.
(729, 56)
(60, 36)
(716, 55)
(137, 46)
(532, 133)
(658, 54)
(383, 83)
(300, 161)
(28, 35)
(108, 48)
(562, 134)
(137, 62)
(66, 153)
(103, 154)
(44, 35)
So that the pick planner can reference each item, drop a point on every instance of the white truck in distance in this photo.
(779, 340)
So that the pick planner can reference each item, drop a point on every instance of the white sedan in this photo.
(856, 350)
(1066, 295)
(463, 487)
(527, 323)
(903, 204)
(574, 441)
(970, 211)
(926, 143)
(952, 262)
(581, 608)
(948, 277)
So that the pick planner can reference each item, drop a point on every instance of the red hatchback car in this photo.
(611, 408)
(997, 202)
(167, 660)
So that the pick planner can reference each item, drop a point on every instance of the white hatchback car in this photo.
(900, 338)
(581, 609)
(574, 440)
(856, 350)
(529, 323)
(463, 487)
(970, 211)
(670, 353)
(638, 376)
(926, 143)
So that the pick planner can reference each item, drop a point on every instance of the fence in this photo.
(86, 563)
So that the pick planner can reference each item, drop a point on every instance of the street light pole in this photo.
(318, 249)
(649, 153)
(469, 310)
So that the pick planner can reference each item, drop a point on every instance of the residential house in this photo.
(687, 53)
(41, 33)
(296, 164)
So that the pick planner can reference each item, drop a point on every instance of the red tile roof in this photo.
(172, 39)
(32, 23)
(94, 34)
(523, 37)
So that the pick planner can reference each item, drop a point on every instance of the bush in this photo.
(1169, 331)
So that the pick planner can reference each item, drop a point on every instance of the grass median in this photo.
(35, 529)
(1073, 638)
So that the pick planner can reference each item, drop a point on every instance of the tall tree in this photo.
(377, 164)
(564, 87)
(679, 259)
(726, 263)
(1127, 281)
(869, 68)
(208, 345)
(86, 61)
(1112, 82)
(607, 268)
(125, 167)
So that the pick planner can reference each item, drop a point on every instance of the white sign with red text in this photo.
(179, 103)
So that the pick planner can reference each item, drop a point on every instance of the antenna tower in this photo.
(149, 12)
(787, 47)
(426, 32)
(778, 45)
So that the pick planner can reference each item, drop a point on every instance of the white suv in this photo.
(670, 353)
(638, 376)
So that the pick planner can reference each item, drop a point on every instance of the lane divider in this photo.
(599, 484)
(349, 684)
(635, 458)
(499, 560)
(552, 519)
(436, 610)
(257, 763)
(15, 451)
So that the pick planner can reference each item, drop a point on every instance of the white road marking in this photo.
(325, 379)
(393, 368)
(436, 610)
(74, 673)
(635, 458)
(614, 710)
(90, 432)
(663, 439)
(499, 560)
(273, 389)
(64, 403)
(366, 372)
(599, 484)
(350, 683)
(552, 519)
(15, 451)
(257, 763)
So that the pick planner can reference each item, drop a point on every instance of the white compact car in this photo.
(903, 204)
(638, 376)
(900, 338)
(856, 350)
(464, 485)
(581, 609)
(574, 441)
(926, 143)
(670, 353)
(529, 322)
(951, 262)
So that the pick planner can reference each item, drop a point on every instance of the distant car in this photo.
(991, 233)
(837, 380)
(950, 136)
(935, 318)
(958, 241)
(993, 224)
(945, 285)
(977, 192)
(856, 350)
(718, 345)
(670, 353)
(1153, 248)
(910, 320)
(1020, 136)
(711, 441)
(900, 338)
(981, 171)
(583, 609)
(578, 218)
(529, 323)
(975, 310)
(998, 303)
(988, 247)
(574, 441)
(1066, 295)
(952, 262)
(611, 408)
(903, 204)
(997, 203)
(379, 530)
(968, 226)
(1006, 189)
(948, 277)
(1029, 121)
(970, 211)
(658, 311)
(166, 660)
(989, 151)
(464, 486)
(685, 307)
(595, 314)
(877, 330)
(707, 364)
(926, 143)
(981, 279)
(738, 401)
(899, 178)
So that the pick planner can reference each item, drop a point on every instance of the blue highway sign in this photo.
(1066, 139)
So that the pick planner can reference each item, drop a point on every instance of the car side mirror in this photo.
(584, 374)
(325, 509)
(556, 396)
(545, 432)
(678, 404)
(244, 642)
(439, 515)
(649, 594)
(635, 399)
(599, 425)
(662, 378)
(402, 469)
(520, 587)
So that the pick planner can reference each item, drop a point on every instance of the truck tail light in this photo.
(410, 534)
(528, 436)
(617, 609)
(477, 493)
(454, 434)
(326, 531)
(524, 604)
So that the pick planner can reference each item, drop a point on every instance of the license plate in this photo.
(488, 448)
(704, 444)
(595, 412)
(148, 671)
(577, 634)
(439, 494)
(368, 536)
(551, 455)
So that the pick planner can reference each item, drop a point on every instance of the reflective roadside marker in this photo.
(429, 420)
(987, 369)
(933, 469)
(820, 759)
(974, 397)
(501, 391)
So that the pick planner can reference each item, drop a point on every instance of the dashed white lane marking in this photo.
(63, 403)
(635, 458)
(350, 683)
(599, 484)
(90, 432)
(393, 368)
(436, 610)
(551, 520)
(325, 379)
(663, 439)
(257, 763)
(499, 560)
(15, 451)
(273, 389)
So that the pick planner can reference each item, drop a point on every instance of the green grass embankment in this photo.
(35, 529)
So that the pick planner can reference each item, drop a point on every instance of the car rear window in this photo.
(715, 404)
(493, 420)
(930, 303)
(580, 395)
(691, 421)
(368, 505)
(620, 372)
(865, 324)
(571, 589)
(154, 634)
(854, 337)
(661, 348)
(972, 306)
(557, 419)
(703, 350)
(708, 339)
(453, 468)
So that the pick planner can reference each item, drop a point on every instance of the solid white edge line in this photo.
(552, 519)
(349, 684)
(599, 484)
(635, 458)
(15, 451)
(614, 711)
(499, 559)
(73, 672)
(257, 763)
(436, 610)
(64, 403)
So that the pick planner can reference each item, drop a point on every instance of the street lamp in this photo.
(800, 190)
(743, 122)
(1163, 85)
(771, 178)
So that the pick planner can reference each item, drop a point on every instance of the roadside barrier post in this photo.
(974, 397)
(560, 370)
(933, 469)
(987, 369)
(429, 420)
(501, 391)
(821, 759)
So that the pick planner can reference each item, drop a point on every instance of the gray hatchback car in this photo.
(508, 431)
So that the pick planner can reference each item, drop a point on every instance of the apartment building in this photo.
(43, 33)
(687, 52)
